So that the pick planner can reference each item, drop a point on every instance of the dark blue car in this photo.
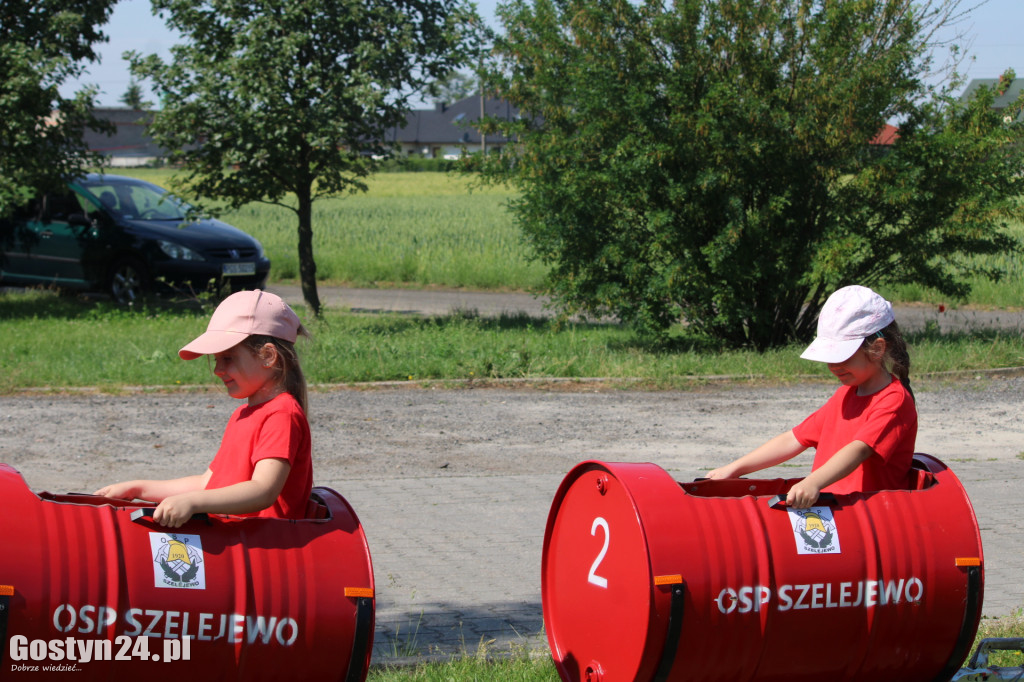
(126, 237)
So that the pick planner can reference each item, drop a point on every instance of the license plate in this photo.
(230, 269)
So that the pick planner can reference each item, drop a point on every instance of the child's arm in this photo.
(258, 493)
(779, 449)
(155, 491)
(840, 465)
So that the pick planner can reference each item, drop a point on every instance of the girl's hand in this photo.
(802, 495)
(174, 511)
(126, 490)
(722, 472)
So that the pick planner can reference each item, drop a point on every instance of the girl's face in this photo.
(863, 369)
(247, 375)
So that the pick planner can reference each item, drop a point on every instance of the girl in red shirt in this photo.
(864, 435)
(264, 464)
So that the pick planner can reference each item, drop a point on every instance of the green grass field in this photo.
(430, 228)
(409, 229)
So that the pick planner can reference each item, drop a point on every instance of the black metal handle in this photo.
(360, 657)
(673, 632)
(824, 499)
(5, 610)
(147, 513)
(968, 626)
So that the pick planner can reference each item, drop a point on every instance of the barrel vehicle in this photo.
(644, 578)
(94, 586)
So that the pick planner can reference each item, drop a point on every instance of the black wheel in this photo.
(129, 280)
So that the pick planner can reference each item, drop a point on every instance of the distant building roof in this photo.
(1003, 99)
(451, 124)
(130, 137)
(886, 136)
(442, 125)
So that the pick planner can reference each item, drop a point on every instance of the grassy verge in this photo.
(61, 342)
(524, 668)
(518, 668)
(1010, 627)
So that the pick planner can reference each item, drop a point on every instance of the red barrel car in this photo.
(92, 585)
(645, 579)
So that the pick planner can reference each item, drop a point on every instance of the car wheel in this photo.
(128, 281)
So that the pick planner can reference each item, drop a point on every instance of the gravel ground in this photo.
(81, 441)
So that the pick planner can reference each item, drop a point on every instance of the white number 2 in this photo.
(593, 577)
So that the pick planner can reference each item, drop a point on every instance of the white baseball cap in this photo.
(849, 316)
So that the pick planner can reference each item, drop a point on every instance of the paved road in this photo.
(420, 301)
(443, 302)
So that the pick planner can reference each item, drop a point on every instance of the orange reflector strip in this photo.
(668, 579)
(968, 561)
(6, 590)
(358, 591)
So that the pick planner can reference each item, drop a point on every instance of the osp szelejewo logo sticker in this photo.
(814, 530)
(178, 561)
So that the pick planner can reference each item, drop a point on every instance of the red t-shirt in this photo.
(274, 429)
(886, 421)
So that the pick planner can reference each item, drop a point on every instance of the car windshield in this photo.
(137, 201)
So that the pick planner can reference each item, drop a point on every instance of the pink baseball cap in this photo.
(241, 315)
(849, 316)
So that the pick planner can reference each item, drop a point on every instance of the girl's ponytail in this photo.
(899, 357)
(292, 378)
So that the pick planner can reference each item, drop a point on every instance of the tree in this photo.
(133, 97)
(711, 159)
(452, 87)
(44, 43)
(287, 103)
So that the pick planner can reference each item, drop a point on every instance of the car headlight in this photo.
(179, 252)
